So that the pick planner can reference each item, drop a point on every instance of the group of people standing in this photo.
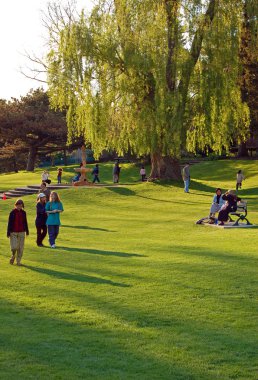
(47, 220)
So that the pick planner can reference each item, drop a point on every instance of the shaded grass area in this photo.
(135, 290)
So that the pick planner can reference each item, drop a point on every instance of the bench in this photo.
(240, 214)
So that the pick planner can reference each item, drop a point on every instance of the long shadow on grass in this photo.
(128, 192)
(212, 254)
(98, 252)
(57, 346)
(122, 191)
(86, 228)
(75, 277)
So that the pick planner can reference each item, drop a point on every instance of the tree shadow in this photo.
(98, 252)
(77, 346)
(122, 191)
(75, 277)
(87, 228)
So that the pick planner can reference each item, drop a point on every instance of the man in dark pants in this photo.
(95, 172)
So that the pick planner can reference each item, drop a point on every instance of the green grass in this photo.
(135, 290)
(129, 174)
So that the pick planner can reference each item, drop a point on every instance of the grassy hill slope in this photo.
(135, 290)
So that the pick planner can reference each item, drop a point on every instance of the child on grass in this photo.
(143, 173)
(17, 227)
(59, 175)
(53, 209)
(240, 178)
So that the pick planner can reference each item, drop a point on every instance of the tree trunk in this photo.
(242, 150)
(15, 167)
(32, 158)
(165, 167)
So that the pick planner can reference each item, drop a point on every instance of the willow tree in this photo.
(127, 72)
(220, 112)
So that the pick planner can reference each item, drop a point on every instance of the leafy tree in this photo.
(29, 125)
(248, 55)
(128, 74)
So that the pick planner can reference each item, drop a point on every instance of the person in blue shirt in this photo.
(53, 209)
(95, 172)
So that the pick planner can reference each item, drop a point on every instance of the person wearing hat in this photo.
(41, 219)
(230, 205)
(16, 229)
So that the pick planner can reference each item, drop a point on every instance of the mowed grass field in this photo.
(134, 290)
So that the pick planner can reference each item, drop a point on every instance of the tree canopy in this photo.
(153, 76)
(28, 125)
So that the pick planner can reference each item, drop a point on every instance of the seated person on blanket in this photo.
(230, 206)
(217, 203)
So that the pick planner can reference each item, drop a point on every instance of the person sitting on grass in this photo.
(45, 177)
(230, 205)
(217, 203)
(77, 176)
(17, 227)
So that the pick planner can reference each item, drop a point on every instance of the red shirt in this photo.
(18, 221)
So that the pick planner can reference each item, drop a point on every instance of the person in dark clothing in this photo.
(45, 190)
(116, 172)
(41, 219)
(16, 229)
(230, 205)
(95, 172)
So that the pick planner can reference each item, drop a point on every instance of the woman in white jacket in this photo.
(217, 202)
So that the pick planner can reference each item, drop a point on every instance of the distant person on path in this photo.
(45, 177)
(95, 172)
(116, 172)
(16, 230)
(44, 189)
(230, 205)
(53, 209)
(59, 175)
(186, 177)
(41, 219)
(240, 178)
(143, 173)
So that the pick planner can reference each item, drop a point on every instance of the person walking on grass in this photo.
(240, 178)
(53, 209)
(16, 230)
(143, 173)
(186, 177)
(116, 172)
(95, 172)
(45, 190)
(41, 219)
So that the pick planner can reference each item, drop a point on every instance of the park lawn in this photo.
(8, 181)
(135, 290)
